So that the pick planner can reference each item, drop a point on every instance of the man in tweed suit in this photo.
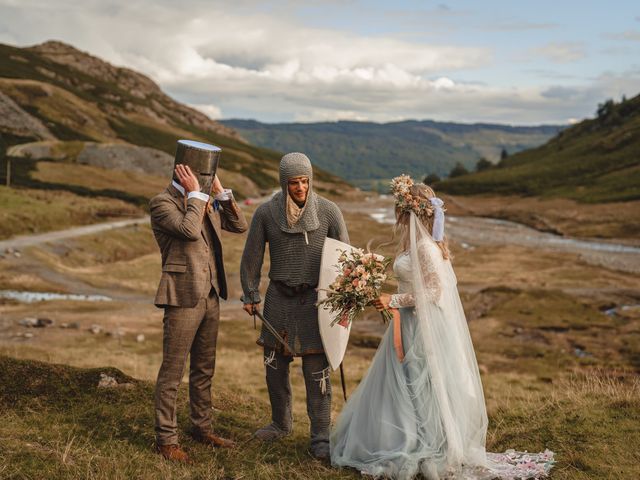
(187, 230)
(295, 223)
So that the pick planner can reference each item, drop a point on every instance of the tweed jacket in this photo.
(185, 253)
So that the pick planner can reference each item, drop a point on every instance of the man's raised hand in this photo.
(216, 187)
(187, 179)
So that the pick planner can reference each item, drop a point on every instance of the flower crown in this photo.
(405, 201)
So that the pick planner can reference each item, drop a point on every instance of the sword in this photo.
(271, 329)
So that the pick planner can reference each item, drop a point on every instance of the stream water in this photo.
(32, 297)
(473, 231)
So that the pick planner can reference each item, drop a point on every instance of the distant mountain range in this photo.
(362, 152)
(597, 160)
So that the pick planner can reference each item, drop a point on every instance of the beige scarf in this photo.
(294, 212)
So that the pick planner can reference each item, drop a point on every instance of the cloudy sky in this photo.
(466, 61)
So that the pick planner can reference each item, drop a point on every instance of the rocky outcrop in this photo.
(110, 156)
(15, 121)
(127, 157)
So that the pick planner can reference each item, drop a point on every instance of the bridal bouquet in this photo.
(359, 283)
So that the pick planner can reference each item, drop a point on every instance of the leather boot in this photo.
(173, 453)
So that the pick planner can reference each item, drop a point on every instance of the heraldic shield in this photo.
(336, 337)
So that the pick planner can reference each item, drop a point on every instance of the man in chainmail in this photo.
(295, 223)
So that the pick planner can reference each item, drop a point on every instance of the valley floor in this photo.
(557, 339)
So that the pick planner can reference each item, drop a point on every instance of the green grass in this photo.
(118, 245)
(58, 424)
(594, 161)
(145, 136)
(589, 421)
(34, 211)
(22, 170)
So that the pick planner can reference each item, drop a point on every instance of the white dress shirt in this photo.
(226, 194)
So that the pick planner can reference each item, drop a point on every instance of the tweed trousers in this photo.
(187, 331)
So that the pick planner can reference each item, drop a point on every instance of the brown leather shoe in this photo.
(215, 441)
(173, 453)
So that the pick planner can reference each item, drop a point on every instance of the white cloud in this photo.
(566, 52)
(320, 115)
(252, 60)
(211, 111)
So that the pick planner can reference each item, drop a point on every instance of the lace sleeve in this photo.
(431, 281)
(400, 300)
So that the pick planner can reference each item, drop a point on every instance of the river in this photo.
(476, 231)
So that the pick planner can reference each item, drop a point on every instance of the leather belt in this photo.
(291, 290)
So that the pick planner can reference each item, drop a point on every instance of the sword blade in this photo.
(271, 329)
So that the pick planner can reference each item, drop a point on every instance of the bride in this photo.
(420, 408)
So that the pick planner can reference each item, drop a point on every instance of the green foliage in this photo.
(594, 161)
(483, 164)
(431, 179)
(260, 155)
(458, 170)
(605, 109)
(258, 176)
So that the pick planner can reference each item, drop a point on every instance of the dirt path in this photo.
(23, 241)
(31, 266)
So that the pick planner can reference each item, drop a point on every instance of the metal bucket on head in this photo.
(201, 158)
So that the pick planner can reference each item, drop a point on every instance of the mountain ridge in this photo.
(417, 147)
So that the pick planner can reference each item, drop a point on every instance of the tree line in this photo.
(459, 169)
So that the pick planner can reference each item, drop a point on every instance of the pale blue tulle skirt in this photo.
(390, 425)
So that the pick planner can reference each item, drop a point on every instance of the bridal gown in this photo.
(425, 414)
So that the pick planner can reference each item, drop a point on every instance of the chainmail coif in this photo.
(295, 165)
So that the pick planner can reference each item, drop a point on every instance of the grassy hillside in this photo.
(594, 161)
(78, 97)
(362, 151)
(70, 100)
